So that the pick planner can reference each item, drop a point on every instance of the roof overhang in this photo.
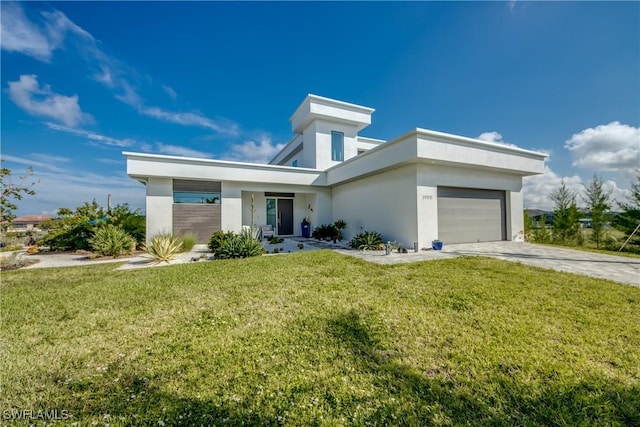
(430, 147)
(142, 166)
(317, 107)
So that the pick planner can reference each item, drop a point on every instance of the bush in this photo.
(325, 231)
(367, 241)
(164, 247)
(239, 246)
(274, 240)
(73, 229)
(218, 239)
(110, 240)
(330, 231)
(188, 241)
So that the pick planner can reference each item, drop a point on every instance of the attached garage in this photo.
(468, 215)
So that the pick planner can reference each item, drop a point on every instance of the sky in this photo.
(84, 81)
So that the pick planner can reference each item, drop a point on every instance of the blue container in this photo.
(436, 245)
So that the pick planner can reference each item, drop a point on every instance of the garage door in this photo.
(468, 215)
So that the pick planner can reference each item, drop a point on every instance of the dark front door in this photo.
(285, 216)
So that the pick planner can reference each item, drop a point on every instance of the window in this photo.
(294, 163)
(337, 146)
(184, 197)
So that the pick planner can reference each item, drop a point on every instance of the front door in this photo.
(280, 215)
(285, 217)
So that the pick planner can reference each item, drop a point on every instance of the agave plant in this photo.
(367, 241)
(164, 247)
(110, 240)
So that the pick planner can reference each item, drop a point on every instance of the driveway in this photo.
(616, 268)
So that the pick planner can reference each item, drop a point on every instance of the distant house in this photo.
(421, 186)
(27, 223)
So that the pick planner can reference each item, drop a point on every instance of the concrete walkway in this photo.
(616, 268)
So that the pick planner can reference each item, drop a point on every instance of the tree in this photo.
(541, 234)
(566, 222)
(597, 199)
(73, 229)
(629, 219)
(12, 193)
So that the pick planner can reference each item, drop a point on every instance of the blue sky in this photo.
(84, 81)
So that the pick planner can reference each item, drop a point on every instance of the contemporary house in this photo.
(418, 187)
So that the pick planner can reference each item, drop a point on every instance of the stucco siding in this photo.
(159, 203)
(385, 203)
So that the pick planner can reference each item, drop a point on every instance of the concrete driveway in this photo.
(616, 268)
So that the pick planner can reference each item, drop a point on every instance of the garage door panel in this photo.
(469, 215)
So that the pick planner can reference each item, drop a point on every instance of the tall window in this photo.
(337, 146)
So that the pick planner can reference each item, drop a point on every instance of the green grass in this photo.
(319, 338)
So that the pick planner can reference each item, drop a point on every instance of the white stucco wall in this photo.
(432, 176)
(231, 207)
(515, 211)
(159, 206)
(316, 153)
(385, 203)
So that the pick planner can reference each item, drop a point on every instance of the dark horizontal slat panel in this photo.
(185, 185)
(201, 220)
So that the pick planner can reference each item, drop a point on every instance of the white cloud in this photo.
(39, 41)
(18, 34)
(252, 152)
(27, 94)
(172, 93)
(611, 147)
(48, 158)
(494, 137)
(35, 164)
(175, 150)
(187, 119)
(92, 136)
(538, 188)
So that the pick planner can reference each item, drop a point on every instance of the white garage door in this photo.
(468, 215)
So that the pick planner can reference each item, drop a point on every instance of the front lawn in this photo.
(320, 338)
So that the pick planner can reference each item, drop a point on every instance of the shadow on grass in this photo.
(433, 400)
(134, 401)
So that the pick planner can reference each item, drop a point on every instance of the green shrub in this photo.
(325, 231)
(188, 241)
(73, 229)
(274, 240)
(218, 239)
(367, 241)
(330, 231)
(239, 246)
(110, 240)
(164, 247)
